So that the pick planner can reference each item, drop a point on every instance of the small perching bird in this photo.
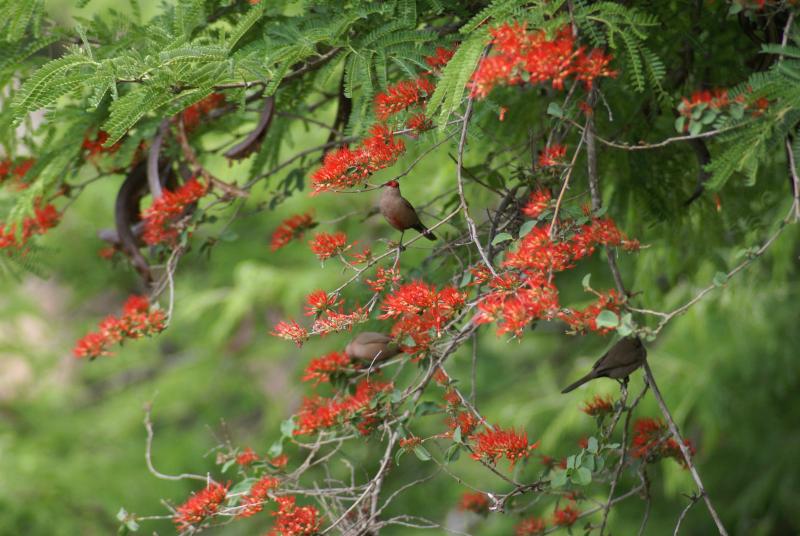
(400, 213)
(621, 359)
(371, 346)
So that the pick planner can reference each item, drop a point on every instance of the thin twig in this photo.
(687, 456)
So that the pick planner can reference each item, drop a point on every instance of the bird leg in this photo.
(400, 245)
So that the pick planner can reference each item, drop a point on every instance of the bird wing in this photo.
(620, 355)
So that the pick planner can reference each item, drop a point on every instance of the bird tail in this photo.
(578, 383)
(427, 233)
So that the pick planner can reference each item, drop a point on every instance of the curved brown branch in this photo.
(253, 140)
(126, 214)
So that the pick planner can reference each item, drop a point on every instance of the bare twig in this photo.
(149, 449)
(687, 456)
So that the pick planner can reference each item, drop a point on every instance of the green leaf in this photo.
(287, 428)
(527, 227)
(571, 462)
(720, 278)
(680, 124)
(586, 281)
(593, 446)
(398, 455)
(555, 110)
(457, 434)
(452, 453)
(607, 319)
(501, 237)
(276, 449)
(422, 453)
(244, 25)
(453, 83)
(559, 479)
(695, 127)
(227, 465)
(54, 80)
(582, 477)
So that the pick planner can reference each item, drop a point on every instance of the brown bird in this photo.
(400, 213)
(622, 359)
(371, 346)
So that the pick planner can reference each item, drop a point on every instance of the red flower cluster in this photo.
(317, 413)
(94, 147)
(17, 172)
(419, 123)
(194, 113)
(552, 155)
(537, 203)
(439, 58)
(293, 520)
(401, 96)
(322, 368)
(200, 506)
(347, 167)
(474, 502)
(565, 517)
(291, 331)
(530, 526)
(160, 218)
(651, 444)
(43, 219)
(586, 319)
(246, 457)
(519, 57)
(420, 309)
(334, 321)
(519, 299)
(253, 502)
(326, 245)
(465, 420)
(384, 277)
(137, 320)
(290, 229)
(319, 302)
(409, 443)
(599, 406)
(516, 302)
(494, 444)
(715, 99)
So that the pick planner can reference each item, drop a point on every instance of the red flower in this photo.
(200, 506)
(565, 517)
(599, 406)
(161, 218)
(318, 413)
(421, 311)
(293, 520)
(383, 277)
(44, 218)
(334, 321)
(537, 203)
(587, 319)
(516, 307)
(419, 123)
(95, 147)
(290, 229)
(440, 58)
(253, 502)
(474, 502)
(496, 443)
(361, 258)
(409, 443)
(651, 442)
(530, 526)
(291, 331)
(464, 420)
(194, 113)
(321, 368)
(137, 320)
(519, 56)
(552, 155)
(400, 96)
(327, 245)
(347, 167)
(319, 302)
(279, 461)
(246, 457)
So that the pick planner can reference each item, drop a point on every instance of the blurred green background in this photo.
(71, 434)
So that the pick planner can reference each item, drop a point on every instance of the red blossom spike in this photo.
(290, 229)
(496, 443)
(474, 502)
(291, 331)
(200, 506)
